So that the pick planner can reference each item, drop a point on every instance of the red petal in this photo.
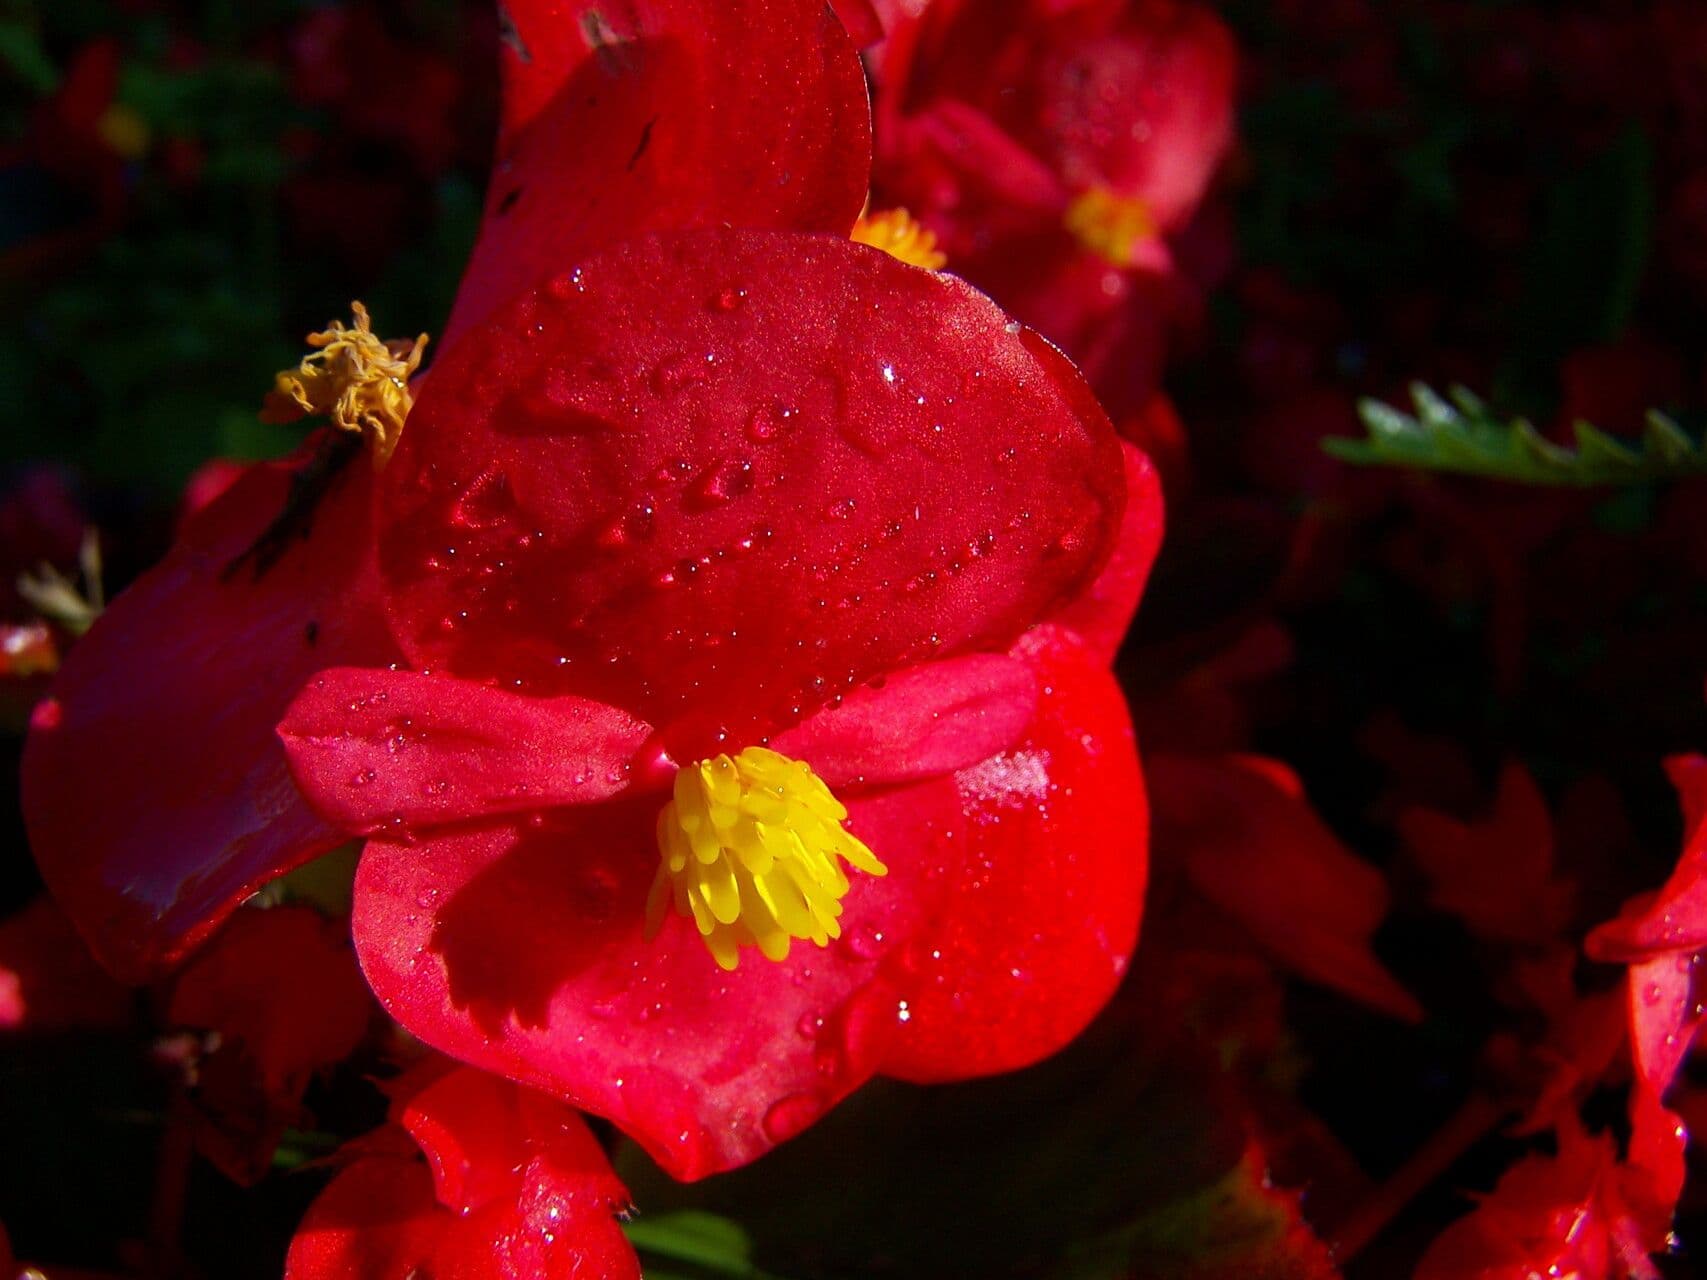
(476, 1129)
(1104, 612)
(281, 989)
(545, 1208)
(372, 748)
(378, 1221)
(519, 950)
(1045, 883)
(860, 17)
(1251, 844)
(283, 984)
(1495, 874)
(740, 472)
(154, 786)
(919, 723)
(1674, 919)
(663, 114)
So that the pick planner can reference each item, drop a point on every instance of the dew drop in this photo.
(791, 1115)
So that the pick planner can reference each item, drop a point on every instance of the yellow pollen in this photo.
(898, 234)
(751, 850)
(353, 378)
(1109, 225)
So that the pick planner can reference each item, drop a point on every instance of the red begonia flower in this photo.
(281, 991)
(958, 482)
(512, 1186)
(153, 783)
(1247, 840)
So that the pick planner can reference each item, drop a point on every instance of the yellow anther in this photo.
(897, 233)
(751, 849)
(353, 378)
(1110, 225)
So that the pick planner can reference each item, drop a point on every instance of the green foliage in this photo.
(1462, 435)
(693, 1244)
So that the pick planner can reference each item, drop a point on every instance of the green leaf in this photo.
(705, 1242)
(1463, 436)
(21, 53)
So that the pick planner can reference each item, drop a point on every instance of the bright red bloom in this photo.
(154, 787)
(512, 1187)
(537, 541)
(715, 478)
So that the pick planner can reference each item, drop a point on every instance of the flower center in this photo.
(897, 233)
(1109, 225)
(751, 849)
(353, 378)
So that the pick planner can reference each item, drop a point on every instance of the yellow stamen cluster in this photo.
(1110, 225)
(355, 379)
(752, 848)
(898, 234)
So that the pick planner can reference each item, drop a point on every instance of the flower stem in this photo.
(1468, 1125)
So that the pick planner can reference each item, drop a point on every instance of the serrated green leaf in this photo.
(1459, 434)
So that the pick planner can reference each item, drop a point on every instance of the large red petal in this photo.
(1044, 883)
(1104, 611)
(375, 748)
(154, 787)
(648, 115)
(519, 949)
(736, 473)
(918, 723)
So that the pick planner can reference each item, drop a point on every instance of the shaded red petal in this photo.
(1102, 614)
(154, 786)
(281, 990)
(282, 984)
(374, 748)
(519, 949)
(918, 723)
(1250, 843)
(1045, 882)
(514, 1188)
(739, 472)
(1495, 874)
(664, 114)
(48, 980)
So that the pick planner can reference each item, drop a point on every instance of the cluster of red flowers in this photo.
(684, 692)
